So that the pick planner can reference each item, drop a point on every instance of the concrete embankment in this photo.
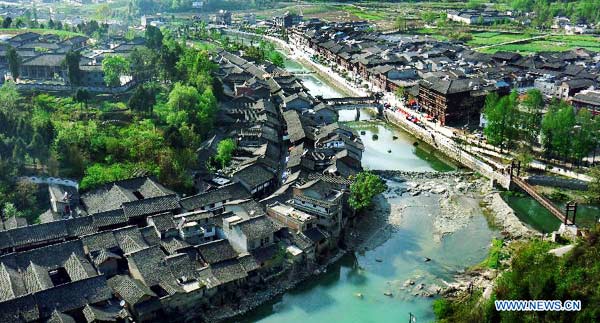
(447, 147)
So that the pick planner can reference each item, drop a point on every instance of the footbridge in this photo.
(564, 217)
(350, 103)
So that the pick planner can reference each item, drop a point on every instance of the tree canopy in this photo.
(365, 187)
(225, 150)
(114, 67)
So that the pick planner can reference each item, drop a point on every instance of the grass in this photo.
(494, 256)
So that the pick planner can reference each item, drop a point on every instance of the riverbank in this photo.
(276, 287)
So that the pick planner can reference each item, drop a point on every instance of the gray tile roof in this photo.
(100, 241)
(217, 251)
(112, 196)
(295, 128)
(58, 317)
(23, 308)
(234, 191)
(152, 205)
(253, 176)
(130, 290)
(229, 271)
(73, 295)
(256, 227)
(52, 60)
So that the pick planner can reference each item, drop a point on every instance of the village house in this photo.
(323, 200)
(290, 217)
(453, 101)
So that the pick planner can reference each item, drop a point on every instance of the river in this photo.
(332, 296)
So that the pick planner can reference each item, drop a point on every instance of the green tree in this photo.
(6, 22)
(585, 134)
(72, 60)
(83, 96)
(594, 184)
(14, 62)
(400, 23)
(364, 188)
(143, 99)
(501, 117)
(10, 210)
(114, 67)
(225, 150)
(143, 63)
(531, 118)
(400, 93)
(557, 129)
(9, 97)
(154, 37)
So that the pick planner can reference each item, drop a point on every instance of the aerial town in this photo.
(292, 161)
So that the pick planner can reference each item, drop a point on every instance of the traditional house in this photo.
(453, 101)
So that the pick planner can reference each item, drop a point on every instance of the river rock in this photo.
(440, 189)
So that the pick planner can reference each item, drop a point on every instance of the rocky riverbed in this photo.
(458, 196)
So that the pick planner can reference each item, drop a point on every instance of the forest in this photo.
(96, 139)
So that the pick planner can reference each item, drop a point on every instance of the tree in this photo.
(83, 96)
(225, 150)
(14, 62)
(10, 210)
(585, 134)
(143, 99)
(400, 23)
(72, 59)
(531, 119)
(364, 188)
(154, 37)
(143, 63)
(400, 93)
(6, 22)
(114, 67)
(9, 97)
(501, 117)
(594, 184)
(183, 105)
(557, 127)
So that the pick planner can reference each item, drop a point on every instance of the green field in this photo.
(556, 43)
(59, 33)
(552, 43)
(366, 14)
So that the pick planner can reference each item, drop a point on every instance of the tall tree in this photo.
(501, 116)
(557, 129)
(531, 114)
(72, 60)
(14, 62)
(154, 37)
(6, 22)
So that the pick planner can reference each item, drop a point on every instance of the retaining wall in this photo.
(448, 148)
